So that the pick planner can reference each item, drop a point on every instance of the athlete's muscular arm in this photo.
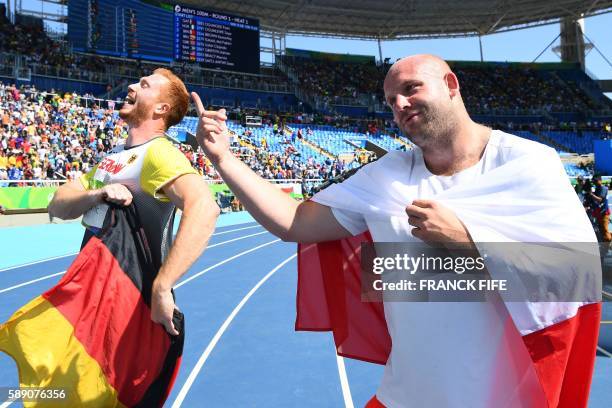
(276, 211)
(191, 194)
(72, 199)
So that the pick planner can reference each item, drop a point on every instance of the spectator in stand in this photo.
(43, 136)
(601, 209)
(489, 88)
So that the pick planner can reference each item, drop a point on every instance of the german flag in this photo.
(92, 334)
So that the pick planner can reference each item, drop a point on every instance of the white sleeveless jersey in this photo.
(144, 169)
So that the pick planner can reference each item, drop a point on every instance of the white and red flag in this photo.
(535, 353)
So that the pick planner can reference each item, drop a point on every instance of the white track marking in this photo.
(76, 253)
(346, 390)
(37, 262)
(178, 285)
(198, 274)
(32, 281)
(196, 370)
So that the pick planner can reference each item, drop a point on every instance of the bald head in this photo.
(426, 64)
(423, 94)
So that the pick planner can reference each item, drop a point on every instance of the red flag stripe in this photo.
(563, 356)
(111, 320)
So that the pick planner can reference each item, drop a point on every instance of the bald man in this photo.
(424, 95)
(443, 354)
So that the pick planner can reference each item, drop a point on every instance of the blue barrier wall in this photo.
(262, 99)
(65, 85)
(603, 156)
(268, 99)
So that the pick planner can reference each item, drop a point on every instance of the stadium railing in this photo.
(115, 72)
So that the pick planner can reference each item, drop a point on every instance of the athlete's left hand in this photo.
(162, 309)
(434, 223)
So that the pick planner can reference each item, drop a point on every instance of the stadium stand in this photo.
(46, 135)
(61, 131)
(489, 88)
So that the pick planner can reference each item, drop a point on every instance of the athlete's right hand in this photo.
(212, 133)
(116, 194)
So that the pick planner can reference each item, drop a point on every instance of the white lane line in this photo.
(196, 370)
(198, 274)
(600, 349)
(37, 262)
(178, 285)
(76, 253)
(32, 281)
(346, 390)
(237, 229)
(235, 239)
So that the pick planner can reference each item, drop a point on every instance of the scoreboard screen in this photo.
(157, 31)
(217, 40)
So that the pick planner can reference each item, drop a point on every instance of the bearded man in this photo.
(150, 171)
(463, 183)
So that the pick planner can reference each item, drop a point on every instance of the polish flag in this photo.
(511, 203)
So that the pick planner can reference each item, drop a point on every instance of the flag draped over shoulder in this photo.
(92, 334)
(329, 299)
(510, 203)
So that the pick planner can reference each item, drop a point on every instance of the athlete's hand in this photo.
(116, 194)
(212, 133)
(434, 223)
(162, 309)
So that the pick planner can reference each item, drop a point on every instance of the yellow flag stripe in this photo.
(42, 343)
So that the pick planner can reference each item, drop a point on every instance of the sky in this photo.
(521, 45)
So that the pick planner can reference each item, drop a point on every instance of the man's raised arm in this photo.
(275, 210)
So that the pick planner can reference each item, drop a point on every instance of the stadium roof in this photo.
(397, 19)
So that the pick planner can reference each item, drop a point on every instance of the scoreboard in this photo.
(158, 31)
(217, 40)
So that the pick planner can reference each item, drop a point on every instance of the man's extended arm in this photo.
(190, 194)
(275, 210)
